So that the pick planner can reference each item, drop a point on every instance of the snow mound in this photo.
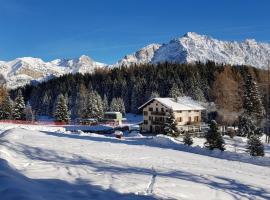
(134, 134)
(165, 140)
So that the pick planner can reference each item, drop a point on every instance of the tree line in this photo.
(125, 88)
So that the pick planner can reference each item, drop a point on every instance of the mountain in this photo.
(193, 47)
(144, 55)
(190, 48)
(24, 70)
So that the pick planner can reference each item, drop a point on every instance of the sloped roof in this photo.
(182, 103)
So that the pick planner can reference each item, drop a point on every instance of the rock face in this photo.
(22, 71)
(193, 47)
(144, 55)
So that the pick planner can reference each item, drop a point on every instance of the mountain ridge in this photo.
(189, 48)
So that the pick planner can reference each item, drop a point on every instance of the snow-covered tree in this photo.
(187, 139)
(170, 126)
(81, 102)
(255, 146)
(61, 112)
(19, 106)
(94, 107)
(105, 103)
(214, 139)
(247, 127)
(252, 100)
(6, 108)
(118, 105)
(175, 92)
(154, 95)
(29, 114)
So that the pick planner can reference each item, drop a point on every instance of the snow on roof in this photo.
(182, 103)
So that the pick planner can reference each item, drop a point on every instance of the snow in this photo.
(22, 71)
(193, 47)
(36, 163)
(190, 48)
(182, 103)
(142, 56)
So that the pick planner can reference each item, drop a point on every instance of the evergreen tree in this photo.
(252, 100)
(255, 146)
(81, 102)
(29, 114)
(61, 112)
(187, 139)
(6, 108)
(121, 106)
(136, 97)
(105, 103)
(170, 126)
(214, 139)
(154, 95)
(94, 108)
(175, 92)
(247, 127)
(19, 106)
(117, 105)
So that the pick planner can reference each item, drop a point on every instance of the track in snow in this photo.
(150, 187)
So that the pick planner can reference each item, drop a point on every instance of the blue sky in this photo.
(106, 30)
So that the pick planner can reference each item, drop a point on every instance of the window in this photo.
(156, 109)
(145, 122)
(189, 119)
(150, 118)
(179, 111)
(189, 111)
(145, 113)
(162, 109)
(150, 109)
(179, 119)
(196, 118)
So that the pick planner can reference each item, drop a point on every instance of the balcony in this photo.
(158, 113)
(154, 122)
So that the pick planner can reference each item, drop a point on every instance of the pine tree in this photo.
(170, 126)
(81, 102)
(175, 92)
(6, 108)
(214, 139)
(154, 95)
(29, 114)
(121, 106)
(252, 100)
(94, 107)
(187, 139)
(105, 103)
(118, 105)
(255, 146)
(61, 112)
(19, 106)
(247, 127)
(114, 105)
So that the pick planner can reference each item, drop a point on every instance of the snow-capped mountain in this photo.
(22, 71)
(193, 47)
(190, 48)
(144, 55)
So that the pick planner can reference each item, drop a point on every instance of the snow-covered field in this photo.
(39, 162)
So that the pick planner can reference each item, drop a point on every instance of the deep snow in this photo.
(49, 163)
